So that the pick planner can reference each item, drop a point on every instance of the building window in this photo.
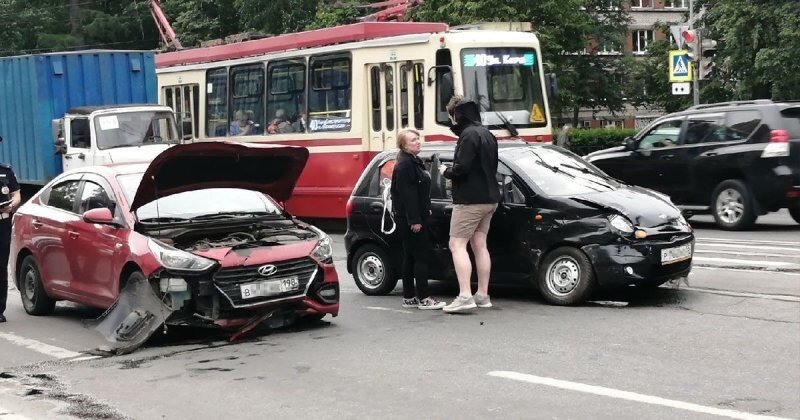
(586, 124)
(608, 48)
(676, 4)
(640, 41)
(641, 3)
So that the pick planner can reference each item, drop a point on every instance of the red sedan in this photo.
(200, 226)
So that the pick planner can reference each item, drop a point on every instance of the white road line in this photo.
(744, 246)
(749, 254)
(40, 347)
(626, 395)
(747, 262)
(754, 241)
(6, 414)
(785, 298)
(745, 270)
(380, 308)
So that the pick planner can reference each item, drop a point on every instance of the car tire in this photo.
(34, 299)
(373, 271)
(795, 213)
(566, 277)
(732, 205)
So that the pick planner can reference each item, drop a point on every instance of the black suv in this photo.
(563, 226)
(736, 160)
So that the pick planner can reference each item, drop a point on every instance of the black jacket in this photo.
(474, 170)
(411, 189)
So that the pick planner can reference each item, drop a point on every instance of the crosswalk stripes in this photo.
(780, 256)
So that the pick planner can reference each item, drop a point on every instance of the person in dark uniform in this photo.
(9, 200)
(411, 199)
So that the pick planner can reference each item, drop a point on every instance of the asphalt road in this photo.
(727, 344)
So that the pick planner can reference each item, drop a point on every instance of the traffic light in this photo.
(692, 41)
(709, 50)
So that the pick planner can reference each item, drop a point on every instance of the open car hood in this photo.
(269, 169)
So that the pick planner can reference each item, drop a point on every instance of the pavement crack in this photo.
(751, 318)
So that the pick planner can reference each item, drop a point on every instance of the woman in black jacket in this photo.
(411, 201)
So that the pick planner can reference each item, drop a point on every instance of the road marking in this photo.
(380, 308)
(745, 270)
(747, 262)
(40, 347)
(785, 298)
(740, 246)
(749, 254)
(746, 241)
(626, 395)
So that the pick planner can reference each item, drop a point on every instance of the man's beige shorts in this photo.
(470, 218)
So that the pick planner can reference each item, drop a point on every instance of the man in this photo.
(475, 195)
(563, 137)
(9, 200)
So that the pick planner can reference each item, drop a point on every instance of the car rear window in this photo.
(791, 121)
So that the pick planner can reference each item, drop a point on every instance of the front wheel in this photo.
(373, 271)
(732, 205)
(795, 213)
(566, 277)
(34, 298)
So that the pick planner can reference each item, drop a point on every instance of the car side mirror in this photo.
(101, 215)
(630, 144)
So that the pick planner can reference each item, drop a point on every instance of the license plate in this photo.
(269, 287)
(676, 254)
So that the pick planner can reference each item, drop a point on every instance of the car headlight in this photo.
(177, 260)
(621, 224)
(324, 249)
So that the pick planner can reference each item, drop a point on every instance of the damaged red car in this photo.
(201, 226)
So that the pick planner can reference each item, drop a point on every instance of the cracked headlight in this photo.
(176, 260)
(621, 224)
(324, 250)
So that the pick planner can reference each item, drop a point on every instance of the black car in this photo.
(563, 226)
(736, 160)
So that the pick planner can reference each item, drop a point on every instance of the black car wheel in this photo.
(372, 270)
(34, 298)
(732, 205)
(795, 213)
(566, 276)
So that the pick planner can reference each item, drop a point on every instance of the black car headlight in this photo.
(621, 225)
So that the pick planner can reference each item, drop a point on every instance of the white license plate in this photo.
(673, 255)
(269, 287)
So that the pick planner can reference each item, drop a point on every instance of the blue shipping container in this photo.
(36, 89)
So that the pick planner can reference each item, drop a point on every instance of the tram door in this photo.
(395, 101)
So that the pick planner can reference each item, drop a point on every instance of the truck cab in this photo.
(99, 135)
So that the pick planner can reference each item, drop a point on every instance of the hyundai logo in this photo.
(267, 270)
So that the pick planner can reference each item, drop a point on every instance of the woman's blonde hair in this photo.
(402, 137)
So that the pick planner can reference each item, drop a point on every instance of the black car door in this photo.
(511, 225)
(651, 165)
(439, 220)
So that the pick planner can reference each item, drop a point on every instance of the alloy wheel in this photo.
(730, 205)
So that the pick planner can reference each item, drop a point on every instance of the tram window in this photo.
(375, 92)
(389, 98)
(286, 97)
(247, 100)
(330, 94)
(403, 96)
(217, 102)
(444, 85)
(419, 89)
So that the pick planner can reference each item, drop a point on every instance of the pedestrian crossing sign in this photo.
(680, 68)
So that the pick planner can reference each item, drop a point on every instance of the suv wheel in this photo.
(566, 276)
(795, 213)
(373, 271)
(732, 205)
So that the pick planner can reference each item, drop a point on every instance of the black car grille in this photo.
(229, 280)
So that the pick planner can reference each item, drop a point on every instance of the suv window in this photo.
(705, 129)
(662, 135)
(62, 196)
(741, 124)
(94, 197)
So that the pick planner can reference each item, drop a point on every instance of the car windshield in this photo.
(205, 203)
(137, 128)
(559, 173)
(507, 85)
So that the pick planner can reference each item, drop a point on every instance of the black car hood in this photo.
(643, 207)
(604, 152)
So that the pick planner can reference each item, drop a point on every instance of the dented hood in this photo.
(643, 207)
(269, 169)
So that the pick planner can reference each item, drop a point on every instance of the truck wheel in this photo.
(795, 213)
(733, 206)
(566, 277)
(373, 271)
(34, 298)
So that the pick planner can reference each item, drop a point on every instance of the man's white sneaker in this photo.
(460, 304)
(482, 301)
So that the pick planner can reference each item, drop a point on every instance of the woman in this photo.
(411, 201)
(242, 126)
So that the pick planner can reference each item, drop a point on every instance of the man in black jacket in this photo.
(475, 196)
